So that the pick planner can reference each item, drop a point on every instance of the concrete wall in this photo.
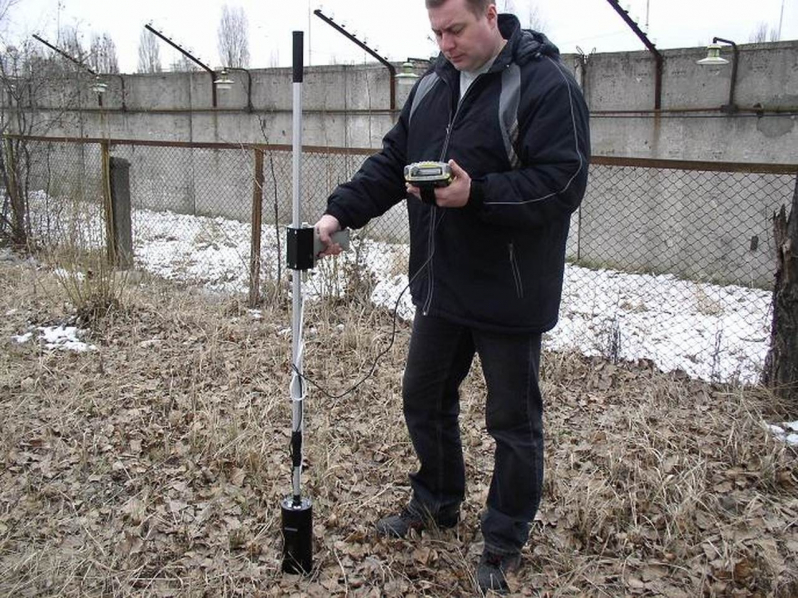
(692, 225)
(344, 106)
(691, 126)
(347, 106)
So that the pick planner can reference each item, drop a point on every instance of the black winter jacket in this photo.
(521, 132)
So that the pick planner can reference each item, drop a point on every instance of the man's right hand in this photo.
(325, 227)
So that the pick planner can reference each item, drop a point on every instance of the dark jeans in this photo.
(440, 356)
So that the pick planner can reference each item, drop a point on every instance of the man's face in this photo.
(468, 41)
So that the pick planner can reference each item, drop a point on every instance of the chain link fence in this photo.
(673, 262)
(668, 262)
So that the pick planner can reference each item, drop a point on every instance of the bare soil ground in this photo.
(155, 465)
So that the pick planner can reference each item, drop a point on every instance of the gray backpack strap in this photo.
(508, 111)
(424, 86)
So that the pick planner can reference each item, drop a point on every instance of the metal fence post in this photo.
(120, 204)
(257, 221)
(108, 207)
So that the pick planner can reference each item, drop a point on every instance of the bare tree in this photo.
(527, 11)
(233, 37)
(763, 33)
(5, 6)
(760, 34)
(274, 58)
(149, 53)
(70, 41)
(781, 364)
(28, 76)
(534, 18)
(182, 64)
(102, 54)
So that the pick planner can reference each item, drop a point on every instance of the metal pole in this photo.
(297, 512)
(731, 107)
(108, 206)
(297, 390)
(256, 227)
(658, 58)
(188, 55)
(781, 19)
(76, 61)
(380, 59)
(64, 54)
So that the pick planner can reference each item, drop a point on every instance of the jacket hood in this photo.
(522, 46)
(525, 44)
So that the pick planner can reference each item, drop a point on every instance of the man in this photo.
(486, 262)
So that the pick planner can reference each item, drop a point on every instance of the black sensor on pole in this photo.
(297, 511)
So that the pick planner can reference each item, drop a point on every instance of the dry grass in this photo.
(155, 465)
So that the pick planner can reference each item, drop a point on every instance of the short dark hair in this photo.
(478, 7)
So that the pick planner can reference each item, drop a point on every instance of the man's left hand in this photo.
(455, 195)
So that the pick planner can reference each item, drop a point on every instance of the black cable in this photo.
(328, 394)
(303, 377)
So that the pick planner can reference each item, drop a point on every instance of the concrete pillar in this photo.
(120, 200)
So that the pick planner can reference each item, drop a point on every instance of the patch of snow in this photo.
(63, 337)
(711, 332)
(22, 338)
(57, 337)
(780, 432)
(386, 293)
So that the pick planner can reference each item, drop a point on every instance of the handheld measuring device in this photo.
(428, 176)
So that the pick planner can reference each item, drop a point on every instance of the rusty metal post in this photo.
(188, 55)
(658, 58)
(108, 207)
(380, 59)
(257, 222)
(731, 107)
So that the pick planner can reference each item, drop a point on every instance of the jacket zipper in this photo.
(519, 285)
(433, 214)
(454, 117)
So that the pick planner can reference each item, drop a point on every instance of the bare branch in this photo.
(5, 6)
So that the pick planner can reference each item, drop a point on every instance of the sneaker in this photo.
(491, 569)
(398, 526)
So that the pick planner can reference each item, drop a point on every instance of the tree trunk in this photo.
(18, 231)
(781, 366)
